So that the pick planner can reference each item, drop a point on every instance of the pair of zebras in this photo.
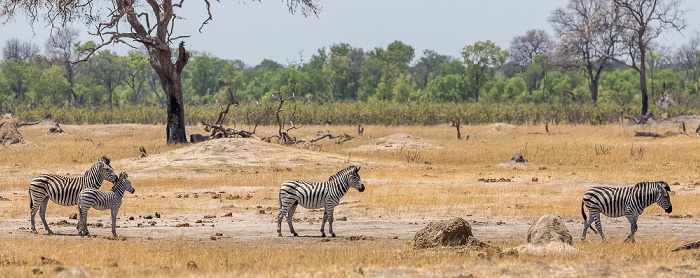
(612, 202)
(82, 191)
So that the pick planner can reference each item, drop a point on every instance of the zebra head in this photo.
(123, 181)
(108, 172)
(354, 179)
(663, 198)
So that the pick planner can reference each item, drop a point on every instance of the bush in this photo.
(367, 113)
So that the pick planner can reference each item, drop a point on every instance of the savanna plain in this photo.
(215, 203)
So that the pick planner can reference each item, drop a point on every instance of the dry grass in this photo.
(401, 183)
(338, 257)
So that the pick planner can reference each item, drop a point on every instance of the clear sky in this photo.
(252, 31)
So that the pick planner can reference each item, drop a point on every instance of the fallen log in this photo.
(654, 134)
(688, 246)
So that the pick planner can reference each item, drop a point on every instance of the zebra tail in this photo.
(583, 212)
(31, 200)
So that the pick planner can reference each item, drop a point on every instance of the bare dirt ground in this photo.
(225, 192)
(256, 220)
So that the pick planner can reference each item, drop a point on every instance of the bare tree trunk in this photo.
(593, 86)
(171, 82)
(643, 81)
(175, 126)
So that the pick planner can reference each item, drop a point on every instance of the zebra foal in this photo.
(312, 195)
(103, 200)
(65, 191)
(628, 201)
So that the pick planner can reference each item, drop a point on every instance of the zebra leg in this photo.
(290, 217)
(586, 224)
(283, 211)
(82, 223)
(595, 217)
(114, 221)
(34, 209)
(77, 226)
(323, 222)
(330, 223)
(633, 227)
(42, 215)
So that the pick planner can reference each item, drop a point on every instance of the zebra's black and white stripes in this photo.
(103, 200)
(628, 201)
(65, 191)
(313, 195)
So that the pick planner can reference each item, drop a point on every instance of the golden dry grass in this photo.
(337, 258)
(401, 183)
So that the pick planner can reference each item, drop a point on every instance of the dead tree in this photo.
(339, 139)
(655, 135)
(142, 152)
(55, 129)
(218, 125)
(217, 129)
(283, 136)
(457, 124)
(688, 246)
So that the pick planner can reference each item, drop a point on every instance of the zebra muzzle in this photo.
(362, 188)
(670, 208)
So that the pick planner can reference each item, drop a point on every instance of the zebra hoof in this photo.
(332, 235)
(50, 233)
(295, 234)
(323, 235)
(279, 235)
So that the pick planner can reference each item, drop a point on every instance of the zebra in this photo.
(313, 195)
(103, 200)
(628, 201)
(65, 191)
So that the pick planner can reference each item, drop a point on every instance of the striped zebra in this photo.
(312, 195)
(65, 191)
(628, 201)
(103, 200)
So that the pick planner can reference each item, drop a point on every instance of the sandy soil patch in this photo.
(229, 153)
(397, 142)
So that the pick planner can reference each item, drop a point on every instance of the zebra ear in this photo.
(358, 168)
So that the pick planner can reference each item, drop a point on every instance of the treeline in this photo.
(340, 73)
(353, 113)
(582, 67)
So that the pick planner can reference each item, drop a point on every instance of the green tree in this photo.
(148, 22)
(51, 85)
(481, 60)
(138, 71)
(536, 73)
(108, 69)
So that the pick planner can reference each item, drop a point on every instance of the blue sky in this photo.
(253, 31)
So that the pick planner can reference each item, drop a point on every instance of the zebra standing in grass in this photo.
(628, 201)
(65, 191)
(312, 195)
(103, 200)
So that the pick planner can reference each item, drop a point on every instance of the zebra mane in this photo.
(659, 184)
(342, 173)
(121, 176)
(106, 160)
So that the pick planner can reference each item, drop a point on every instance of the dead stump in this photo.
(451, 232)
(518, 158)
